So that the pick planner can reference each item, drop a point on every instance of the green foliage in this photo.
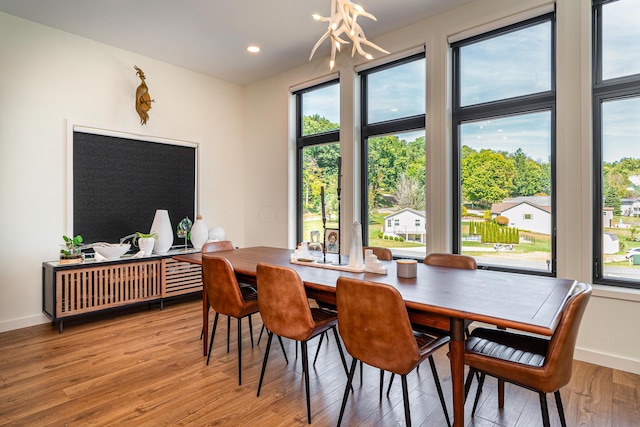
(490, 232)
(486, 177)
(464, 211)
(71, 245)
(487, 215)
(612, 199)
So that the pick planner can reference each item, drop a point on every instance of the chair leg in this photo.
(239, 351)
(390, 382)
(251, 331)
(344, 361)
(475, 401)
(228, 331)
(283, 351)
(436, 378)
(305, 370)
(468, 382)
(563, 421)
(405, 397)
(264, 360)
(318, 348)
(500, 393)
(346, 389)
(545, 409)
(261, 331)
(381, 383)
(213, 335)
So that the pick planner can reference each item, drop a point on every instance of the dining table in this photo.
(437, 297)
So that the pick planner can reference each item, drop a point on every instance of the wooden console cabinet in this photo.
(70, 290)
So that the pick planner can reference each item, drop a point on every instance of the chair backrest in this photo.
(221, 245)
(283, 303)
(223, 290)
(559, 358)
(383, 254)
(451, 260)
(374, 325)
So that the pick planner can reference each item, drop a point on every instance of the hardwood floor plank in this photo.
(145, 368)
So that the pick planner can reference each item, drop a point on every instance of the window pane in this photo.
(396, 92)
(620, 39)
(320, 168)
(321, 110)
(506, 190)
(621, 188)
(396, 193)
(514, 64)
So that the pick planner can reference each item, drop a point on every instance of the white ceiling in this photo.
(210, 37)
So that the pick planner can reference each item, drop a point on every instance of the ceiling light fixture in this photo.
(343, 18)
(253, 49)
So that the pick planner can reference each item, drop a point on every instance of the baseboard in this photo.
(608, 360)
(25, 322)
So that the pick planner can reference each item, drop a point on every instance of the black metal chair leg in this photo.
(239, 351)
(318, 348)
(213, 335)
(251, 331)
(405, 397)
(346, 389)
(475, 401)
(305, 370)
(264, 361)
(563, 421)
(390, 382)
(436, 378)
(261, 331)
(228, 331)
(468, 382)
(545, 409)
(344, 361)
(283, 351)
(381, 383)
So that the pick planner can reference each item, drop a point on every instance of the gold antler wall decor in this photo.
(143, 100)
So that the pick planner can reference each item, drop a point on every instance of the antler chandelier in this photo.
(343, 21)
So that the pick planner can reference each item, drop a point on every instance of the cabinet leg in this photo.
(60, 327)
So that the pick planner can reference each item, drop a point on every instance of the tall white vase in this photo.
(199, 233)
(162, 228)
(355, 251)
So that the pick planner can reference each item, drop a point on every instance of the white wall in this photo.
(612, 317)
(47, 77)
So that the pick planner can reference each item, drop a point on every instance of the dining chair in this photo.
(285, 311)
(539, 364)
(383, 254)
(375, 328)
(227, 298)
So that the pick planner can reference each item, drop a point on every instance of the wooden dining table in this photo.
(437, 297)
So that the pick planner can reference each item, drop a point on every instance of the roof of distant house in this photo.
(540, 202)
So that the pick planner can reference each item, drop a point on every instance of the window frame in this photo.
(617, 88)
(303, 141)
(405, 124)
(518, 105)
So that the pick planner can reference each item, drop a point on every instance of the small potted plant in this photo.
(71, 253)
(145, 241)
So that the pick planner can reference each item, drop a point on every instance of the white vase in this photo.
(146, 245)
(199, 233)
(163, 230)
(355, 252)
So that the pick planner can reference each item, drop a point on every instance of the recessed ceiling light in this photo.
(253, 49)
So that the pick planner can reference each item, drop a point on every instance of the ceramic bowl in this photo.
(111, 250)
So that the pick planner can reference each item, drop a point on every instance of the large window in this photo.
(503, 135)
(318, 134)
(616, 136)
(393, 156)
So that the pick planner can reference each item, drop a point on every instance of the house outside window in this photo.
(318, 149)
(616, 132)
(393, 149)
(503, 147)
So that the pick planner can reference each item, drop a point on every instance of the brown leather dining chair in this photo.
(383, 254)
(286, 313)
(539, 364)
(226, 297)
(375, 328)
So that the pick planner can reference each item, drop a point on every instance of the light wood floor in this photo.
(145, 368)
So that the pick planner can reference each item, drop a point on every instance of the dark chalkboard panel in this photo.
(118, 183)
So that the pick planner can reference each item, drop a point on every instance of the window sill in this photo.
(616, 292)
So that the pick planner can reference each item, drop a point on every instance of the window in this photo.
(616, 121)
(318, 151)
(393, 154)
(503, 147)
(417, 223)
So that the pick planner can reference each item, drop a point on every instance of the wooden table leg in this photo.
(456, 348)
(205, 320)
